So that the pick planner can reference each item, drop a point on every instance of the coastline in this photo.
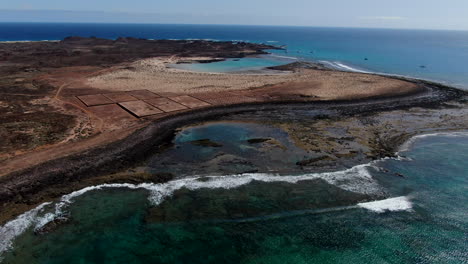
(27, 41)
(408, 143)
(403, 77)
(15, 227)
(48, 181)
(80, 170)
(158, 193)
(352, 147)
(329, 65)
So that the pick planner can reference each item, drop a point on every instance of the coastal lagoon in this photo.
(242, 65)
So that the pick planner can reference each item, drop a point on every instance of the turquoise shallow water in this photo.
(236, 65)
(312, 221)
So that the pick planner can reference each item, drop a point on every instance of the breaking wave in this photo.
(284, 57)
(15, 227)
(406, 146)
(336, 65)
(343, 67)
(355, 179)
(391, 204)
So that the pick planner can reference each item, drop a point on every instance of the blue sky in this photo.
(427, 14)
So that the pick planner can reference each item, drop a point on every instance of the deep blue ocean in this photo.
(429, 54)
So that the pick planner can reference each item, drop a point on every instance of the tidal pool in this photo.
(228, 148)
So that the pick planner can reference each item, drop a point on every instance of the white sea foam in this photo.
(356, 179)
(27, 41)
(283, 57)
(344, 67)
(205, 39)
(35, 218)
(347, 67)
(401, 203)
(380, 206)
(341, 66)
(15, 227)
(407, 145)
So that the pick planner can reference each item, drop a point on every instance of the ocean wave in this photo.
(356, 179)
(192, 39)
(380, 206)
(15, 227)
(407, 145)
(205, 39)
(32, 218)
(347, 67)
(285, 57)
(27, 41)
(344, 67)
(401, 203)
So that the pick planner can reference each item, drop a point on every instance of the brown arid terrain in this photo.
(83, 108)
(42, 118)
(39, 81)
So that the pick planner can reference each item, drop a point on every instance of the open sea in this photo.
(407, 210)
(429, 54)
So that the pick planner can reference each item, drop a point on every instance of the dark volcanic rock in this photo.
(257, 140)
(51, 226)
(102, 52)
(205, 143)
(309, 162)
(299, 65)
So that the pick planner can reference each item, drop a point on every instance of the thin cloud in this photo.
(382, 18)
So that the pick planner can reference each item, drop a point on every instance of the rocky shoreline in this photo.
(25, 189)
(77, 51)
(101, 165)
